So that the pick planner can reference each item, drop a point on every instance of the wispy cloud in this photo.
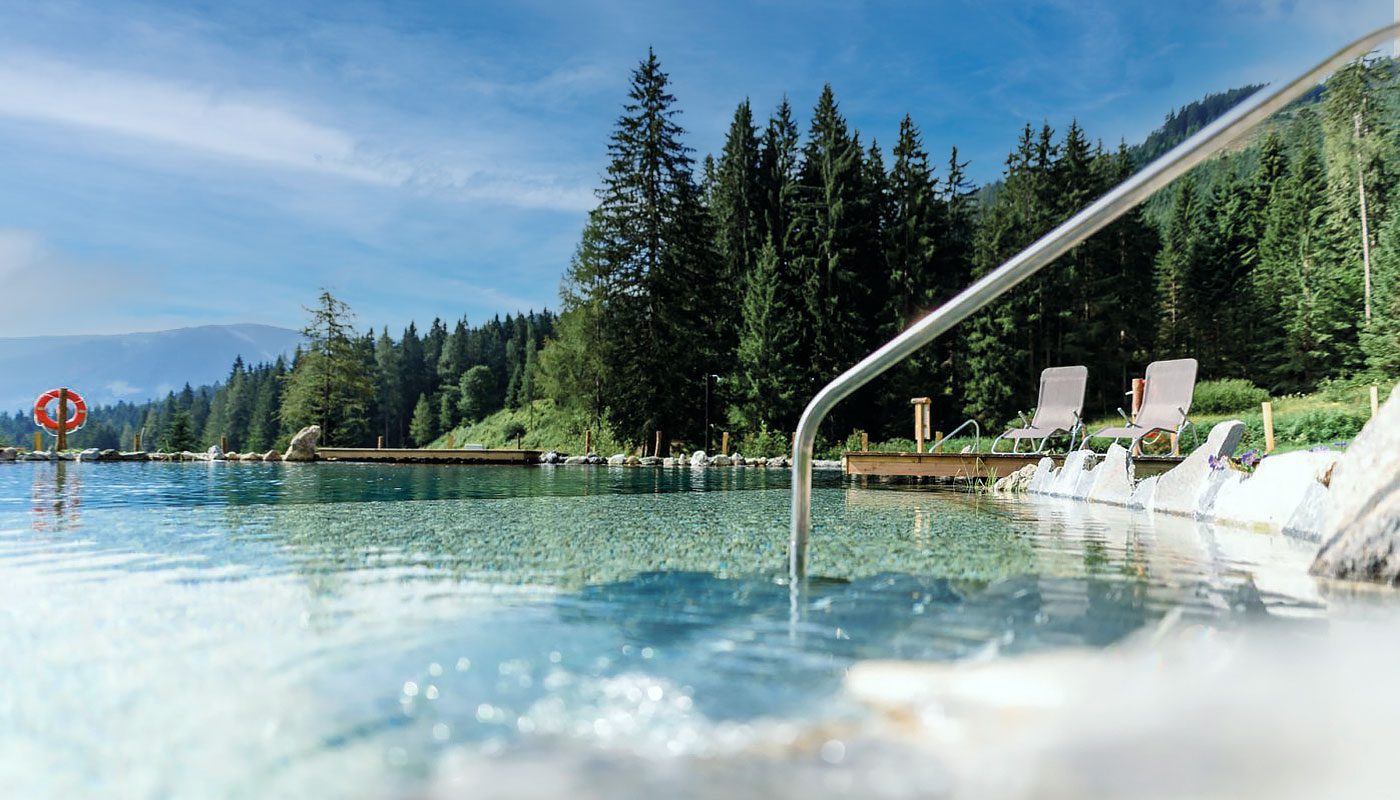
(245, 127)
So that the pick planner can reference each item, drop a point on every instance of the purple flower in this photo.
(1251, 459)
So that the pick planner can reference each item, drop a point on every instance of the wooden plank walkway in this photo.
(970, 465)
(412, 456)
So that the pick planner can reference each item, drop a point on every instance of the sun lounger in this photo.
(1056, 411)
(1166, 400)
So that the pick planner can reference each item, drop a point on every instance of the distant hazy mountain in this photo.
(132, 366)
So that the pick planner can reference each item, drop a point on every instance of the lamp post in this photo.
(708, 376)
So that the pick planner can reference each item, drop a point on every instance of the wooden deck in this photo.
(412, 456)
(970, 465)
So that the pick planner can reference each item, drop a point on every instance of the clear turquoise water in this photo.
(262, 630)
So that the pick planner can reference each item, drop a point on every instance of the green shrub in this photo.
(1226, 396)
(1309, 428)
(764, 443)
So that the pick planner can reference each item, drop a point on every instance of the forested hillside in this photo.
(733, 287)
(794, 251)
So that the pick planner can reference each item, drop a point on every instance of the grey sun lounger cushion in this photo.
(1060, 404)
(1166, 400)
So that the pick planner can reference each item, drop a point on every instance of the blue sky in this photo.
(172, 164)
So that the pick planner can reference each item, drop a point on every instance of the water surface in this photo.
(259, 630)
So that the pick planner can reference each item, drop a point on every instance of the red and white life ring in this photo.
(78, 411)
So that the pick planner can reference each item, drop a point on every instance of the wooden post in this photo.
(1375, 400)
(864, 442)
(587, 442)
(380, 444)
(1268, 409)
(38, 441)
(922, 420)
(62, 421)
(656, 453)
(724, 444)
(223, 443)
(136, 441)
(938, 441)
(1139, 388)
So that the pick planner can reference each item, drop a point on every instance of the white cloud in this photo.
(246, 127)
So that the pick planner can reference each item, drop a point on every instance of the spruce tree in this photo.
(330, 384)
(423, 427)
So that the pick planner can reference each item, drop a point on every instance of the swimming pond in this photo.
(260, 630)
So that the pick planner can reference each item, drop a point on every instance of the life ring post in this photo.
(62, 418)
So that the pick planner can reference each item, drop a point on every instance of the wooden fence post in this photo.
(1375, 400)
(923, 415)
(38, 441)
(380, 444)
(656, 453)
(587, 442)
(62, 421)
(1268, 409)
(136, 441)
(864, 442)
(724, 443)
(223, 443)
(938, 441)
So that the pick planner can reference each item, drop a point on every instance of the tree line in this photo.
(356, 386)
(755, 276)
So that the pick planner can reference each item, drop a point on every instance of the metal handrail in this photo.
(977, 442)
(1171, 165)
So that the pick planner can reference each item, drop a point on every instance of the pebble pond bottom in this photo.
(360, 631)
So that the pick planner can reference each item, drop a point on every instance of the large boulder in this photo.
(8, 454)
(1143, 492)
(272, 455)
(618, 459)
(1274, 493)
(90, 454)
(1016, 481)
(216, 453)
(1362, 532)
(576, 460)
(303, 445)
(1190, 487)
(699, 459)
(1112, 481)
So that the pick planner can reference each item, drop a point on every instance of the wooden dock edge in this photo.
(404, 455)
(969, 466)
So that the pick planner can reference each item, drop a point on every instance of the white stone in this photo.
(827, 463)
(303, 445)
(1309, 519)
(720, 460)
(576, 460)
(1362, 531)
(668, 462)
(90, 454)
(1182, 489)
(215, 453)
(1076, 466)
(617, 459)
(1113, 478)
(1274, 493)
(272, 455)
(1142, 493)
(1043, 477)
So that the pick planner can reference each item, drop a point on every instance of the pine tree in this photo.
(767, 378)
(178, 435)
(423, 428)
(644, 268)
(331, 383)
